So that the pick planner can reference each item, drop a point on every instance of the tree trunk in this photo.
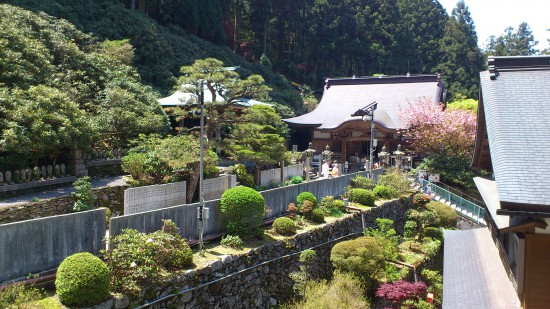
(193, 182)
(257, 171)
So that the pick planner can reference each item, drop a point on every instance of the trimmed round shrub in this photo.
(306, 196)
(433, 232)
(318, 216)
(362, 257)
(284, 226)
(82, 280)
(244, 208)
(382, 192)
(446, 216)
(362, 196)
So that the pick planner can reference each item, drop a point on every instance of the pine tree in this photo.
(461, 57)
(519, 43)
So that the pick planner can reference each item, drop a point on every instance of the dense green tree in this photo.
(510, 43)
(258, 138)
(43, 123)
(461, 57)
(220, 83)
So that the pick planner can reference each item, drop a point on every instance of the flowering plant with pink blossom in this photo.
(420, 200)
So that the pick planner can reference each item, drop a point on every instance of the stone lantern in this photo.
(384, 156)
(309, 157)
(398, 156)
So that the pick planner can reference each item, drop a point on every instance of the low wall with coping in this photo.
(36, 245)
(185, 216)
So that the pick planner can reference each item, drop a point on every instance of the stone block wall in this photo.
(109, 197)
(260, 277)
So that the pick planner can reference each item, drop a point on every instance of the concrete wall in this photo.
(274, 175)
(153, 197)
(185, 216)
(215, 187)
(41, 244)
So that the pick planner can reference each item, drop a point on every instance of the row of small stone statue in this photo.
(37, 173)
(104, 154)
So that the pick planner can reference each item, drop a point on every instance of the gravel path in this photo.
(56, 192)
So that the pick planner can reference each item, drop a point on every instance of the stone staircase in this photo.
(463, 211)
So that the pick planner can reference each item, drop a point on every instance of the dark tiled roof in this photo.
(343, 97)
(471, 276)
(516, 95)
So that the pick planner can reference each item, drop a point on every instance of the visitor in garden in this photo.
(335, 168)
(325, 169)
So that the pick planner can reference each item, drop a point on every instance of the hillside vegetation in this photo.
(159, 50)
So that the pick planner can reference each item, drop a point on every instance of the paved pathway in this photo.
(46, 193)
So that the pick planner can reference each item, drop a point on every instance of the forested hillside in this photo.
(305, 40)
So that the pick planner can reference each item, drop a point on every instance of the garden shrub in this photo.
(420, 200)
(134, 164)
(244, 208)
(306, 196)
(395, 181)
(243, 176)
(362, 196)
(83, 197)
(361, 182)
(284, 226)
(411, 229)
(16, 295)
(296, 179)
(445, 215)
(343, 291)
(433, 232)
(292, 210)
(140, 261)
(306, 209)
(331, 206)
(232, 241)
(400, 291)
(318, 216)
(308, 256)
(82, 280)
(382, 192)
(362, 257)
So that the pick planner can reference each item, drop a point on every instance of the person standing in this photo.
(335, 169)
(325, 169)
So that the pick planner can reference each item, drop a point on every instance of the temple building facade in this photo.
(343, 118)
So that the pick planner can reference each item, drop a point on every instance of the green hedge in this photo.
(446, 216)
(284, 226)
(306, 196)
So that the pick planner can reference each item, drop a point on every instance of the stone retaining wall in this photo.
(238, 282)
(109, 197)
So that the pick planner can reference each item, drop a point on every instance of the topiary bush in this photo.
(362, 196)
(318, 216)
(306, 196)
(82, 280)
(284, 226)
(244, 208)
(446, 216)
(382, 192)
(362, 257)
(361, 182)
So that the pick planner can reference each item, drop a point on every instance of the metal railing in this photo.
(463, 207)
